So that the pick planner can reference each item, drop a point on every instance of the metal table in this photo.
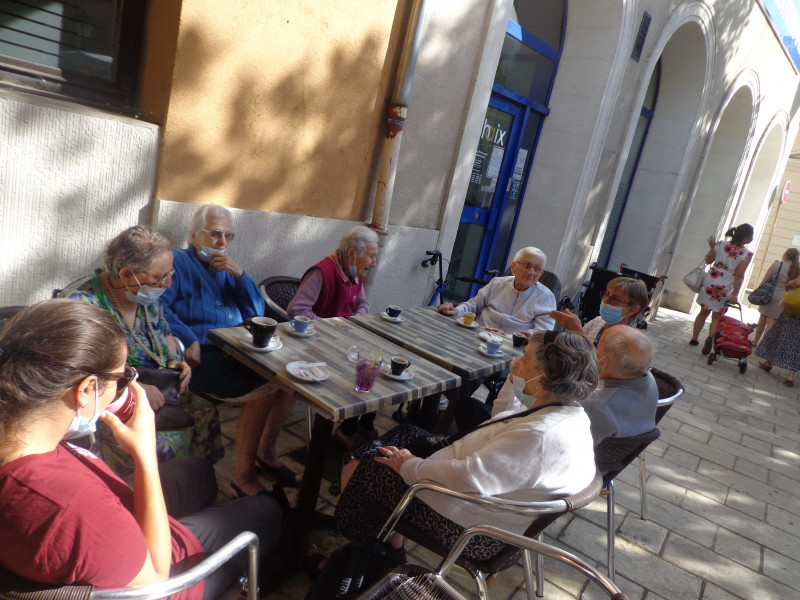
(334, 399)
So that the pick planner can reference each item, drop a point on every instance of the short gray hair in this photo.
(136, 247)
(569, 362)
(205, 211)
(357, 237)
(628, 351)
(530, 251)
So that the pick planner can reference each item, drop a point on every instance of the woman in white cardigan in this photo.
(538, 446)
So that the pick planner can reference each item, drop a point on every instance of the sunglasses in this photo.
(123, 380)
(217, 234)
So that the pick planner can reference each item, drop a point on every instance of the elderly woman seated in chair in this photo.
(537, 447)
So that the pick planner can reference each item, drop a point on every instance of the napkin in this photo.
(316, 368)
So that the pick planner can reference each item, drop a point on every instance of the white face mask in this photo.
(205, 252)
(146, 295)
(80, 427)
(519, 384)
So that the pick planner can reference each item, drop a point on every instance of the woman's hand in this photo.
(137, 437)
(495, 330)
(185, 369)
(447, 308)
(712, 242)
(567, 320)
(794, 283)
(393, 456)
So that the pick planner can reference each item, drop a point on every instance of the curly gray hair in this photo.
(136, 247)
(357, 238)
(569, 362)
(208, 210)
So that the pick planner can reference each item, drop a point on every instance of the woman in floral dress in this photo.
(722, 282)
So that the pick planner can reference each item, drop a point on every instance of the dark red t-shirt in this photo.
(66, 518)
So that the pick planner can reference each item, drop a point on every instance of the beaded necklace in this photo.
(158, 359)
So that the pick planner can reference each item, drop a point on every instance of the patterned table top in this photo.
(335, 398)
(439, 339)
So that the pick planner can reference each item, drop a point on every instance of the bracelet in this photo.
(173, 357)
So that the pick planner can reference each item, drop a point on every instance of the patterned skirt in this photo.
(781, 344)
(375, 489)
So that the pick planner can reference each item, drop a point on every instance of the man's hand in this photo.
(223, 262)
(447, 308)
(567, 320)
(193, 354)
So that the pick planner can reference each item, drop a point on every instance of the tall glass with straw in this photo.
(368, 366)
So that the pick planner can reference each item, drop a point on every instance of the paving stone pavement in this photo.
(723, 515)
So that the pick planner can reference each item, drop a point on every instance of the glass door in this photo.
(497, 174)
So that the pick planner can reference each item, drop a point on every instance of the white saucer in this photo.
(482, 349)
(274, 344)
(405, 375)
(295, 369)
(386, 317)
(460, 321)
(310, 330)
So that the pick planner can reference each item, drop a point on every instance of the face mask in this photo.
(519, 384)
(80, 427)
(611, 314)
(205, 251)
(146, 295)
(353, 272)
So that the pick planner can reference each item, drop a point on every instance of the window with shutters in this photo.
(83, 50)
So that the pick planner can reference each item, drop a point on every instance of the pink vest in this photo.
(337, 298)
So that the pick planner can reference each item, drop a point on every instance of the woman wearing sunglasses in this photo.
(65, 517)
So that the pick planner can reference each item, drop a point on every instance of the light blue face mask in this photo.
(519, 384)
(146, 295)
(611, 314)
(205, 252)
(353, 272)
(80, 427)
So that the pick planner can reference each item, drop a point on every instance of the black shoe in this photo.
(707, 345)
(694, 343)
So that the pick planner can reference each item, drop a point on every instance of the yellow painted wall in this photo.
(277, 105)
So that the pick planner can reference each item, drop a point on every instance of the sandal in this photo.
(707, 345)
(764, 365)
(788, 382)
(238, 492)
(694, 343)
(282, 474)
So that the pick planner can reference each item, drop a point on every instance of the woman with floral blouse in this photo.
(722, 281)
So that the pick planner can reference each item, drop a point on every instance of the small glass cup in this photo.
(368, 365)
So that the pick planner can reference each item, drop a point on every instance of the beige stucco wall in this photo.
(276, 106)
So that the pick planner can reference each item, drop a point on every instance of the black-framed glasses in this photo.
(607, 296)
(218, 234)
(159, 282)
(124, 379)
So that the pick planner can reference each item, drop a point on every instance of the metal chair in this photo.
(541, 513)
(277, 293)
(17, 588)
(611, 456)
(414, 582)
(6, 312)
(669, 390)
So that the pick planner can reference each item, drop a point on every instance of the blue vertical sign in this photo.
(785, 15)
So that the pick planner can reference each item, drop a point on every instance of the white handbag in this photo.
(694, 278)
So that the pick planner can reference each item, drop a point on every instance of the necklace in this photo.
(158, 358)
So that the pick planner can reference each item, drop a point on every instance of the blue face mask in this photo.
(610, 314)
(80, 427)
(205, 251)
(519, 384)
(353, 272)
(146, 295)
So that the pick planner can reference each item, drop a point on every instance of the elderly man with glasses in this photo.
(209, 291)
(518, 303)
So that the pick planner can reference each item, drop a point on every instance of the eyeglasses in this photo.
(218, 234)
(537, 268)
(161, 281)
(124, 379)
(607, 296)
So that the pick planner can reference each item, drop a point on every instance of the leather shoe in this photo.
(707, 345)
(348, 440)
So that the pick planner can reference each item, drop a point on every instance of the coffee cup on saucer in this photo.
(493, 345)
(262, 328)
(519, 339)
(399, 364)
(300, 324)
(468, 317)
(394, 311)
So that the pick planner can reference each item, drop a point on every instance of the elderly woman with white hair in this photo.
(518, 303)
(210, 290)
(334, 287)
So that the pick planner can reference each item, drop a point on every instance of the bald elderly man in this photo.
(625, 403)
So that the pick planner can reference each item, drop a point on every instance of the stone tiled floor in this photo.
(723, 486)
